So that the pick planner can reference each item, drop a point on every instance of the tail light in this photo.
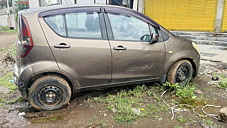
(26, 38)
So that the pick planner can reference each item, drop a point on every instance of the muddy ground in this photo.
(83, 111)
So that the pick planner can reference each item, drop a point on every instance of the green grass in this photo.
(222, 79)
(12, 53)
(5, 81)
(131, 104)
(1, 104)
(186, 95)
(153, 109)
(14, 100)
(208, 122)
(2, 100)
(223, 83)
(181, 119)
(7, 30)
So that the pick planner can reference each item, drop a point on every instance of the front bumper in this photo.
(197, 65)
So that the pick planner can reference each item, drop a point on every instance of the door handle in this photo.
(120, 47)
(62, 45)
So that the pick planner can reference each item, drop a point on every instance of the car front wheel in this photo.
(180, 72)
(49, 93)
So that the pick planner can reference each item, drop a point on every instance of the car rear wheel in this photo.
(49, 93)
(180, 72)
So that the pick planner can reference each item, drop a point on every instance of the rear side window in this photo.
(57, 24)
(79, 25)
(83, 25)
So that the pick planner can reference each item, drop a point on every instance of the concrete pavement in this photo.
(213, 46)
(213, 53)
(208, 38)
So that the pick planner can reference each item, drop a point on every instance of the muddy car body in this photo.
(63, 49)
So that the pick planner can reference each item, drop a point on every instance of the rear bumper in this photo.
(21, 79)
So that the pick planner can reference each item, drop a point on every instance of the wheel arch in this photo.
(37, 76)
(190, 60)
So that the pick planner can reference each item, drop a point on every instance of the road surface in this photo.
(213, 53)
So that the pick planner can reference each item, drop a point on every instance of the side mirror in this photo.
(146, 38)
(154, 38)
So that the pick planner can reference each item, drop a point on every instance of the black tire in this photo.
(49, 93)
(180, 72)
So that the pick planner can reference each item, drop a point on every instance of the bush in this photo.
(20, 6)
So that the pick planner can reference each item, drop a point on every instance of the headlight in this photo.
(196, 47)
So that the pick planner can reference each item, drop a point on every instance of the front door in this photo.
(134, 58)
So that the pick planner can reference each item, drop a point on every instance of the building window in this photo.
(3, 4)
(126, 3)
(50, 2)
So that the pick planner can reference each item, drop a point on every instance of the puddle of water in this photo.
(47, 119)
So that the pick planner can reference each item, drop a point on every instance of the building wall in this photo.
(196, 15)
(224, 21)
(34, 3)
(4, 20)
(39, 3)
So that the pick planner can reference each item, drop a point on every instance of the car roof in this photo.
(39, 10)
(47, 8)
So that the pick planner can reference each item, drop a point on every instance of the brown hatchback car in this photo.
(64, 49)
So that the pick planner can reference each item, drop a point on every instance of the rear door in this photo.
(78, 41)
(133, 58)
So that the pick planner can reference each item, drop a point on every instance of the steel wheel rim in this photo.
(50, 95)
(182, 74)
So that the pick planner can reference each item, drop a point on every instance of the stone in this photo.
(213, 82)
(205, 126)
(160, 119)
(137, 111)
(114, 110)
(21, 113)
(105, 115)
(199, 92)
(223, 114)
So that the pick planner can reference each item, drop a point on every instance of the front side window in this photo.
(76, 25)
(128, 27)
